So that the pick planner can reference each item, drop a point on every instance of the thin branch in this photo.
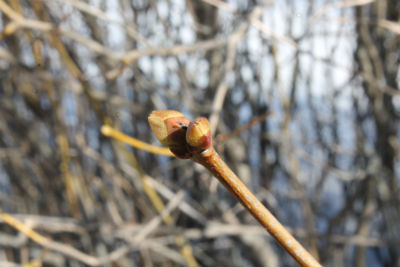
(23, 22)
(193, 140)
(111, 132)
(213, 162)
(98, 13)
(337, 4)
(85, 258)
(220, 4)
(229, 64)
(390, 25)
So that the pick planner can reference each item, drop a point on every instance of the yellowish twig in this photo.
(111, 132)
(10, 220)
(21, 21)
(185, 248)
(68, 177)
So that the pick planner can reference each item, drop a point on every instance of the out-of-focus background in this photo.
(303, 98)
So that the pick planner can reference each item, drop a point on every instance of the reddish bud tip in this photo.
(198, 135)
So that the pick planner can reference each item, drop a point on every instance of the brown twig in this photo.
(224, 137)
(213, 162)
(193, 140)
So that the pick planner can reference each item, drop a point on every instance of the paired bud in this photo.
(182, 136)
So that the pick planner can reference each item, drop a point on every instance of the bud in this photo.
(198, 135)
(169, 126)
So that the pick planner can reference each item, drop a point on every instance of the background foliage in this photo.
(321, 79)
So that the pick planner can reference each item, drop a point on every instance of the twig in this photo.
(111, 132)
(184, 206)
(342, 4)
(269, 31)
(127, 57)
(229, 64)
(4, 54)
(98, 13)
(130, 56)
(85, 258)
(186, 250)
(220, 4)
(215, 230)
(213, 162)
(193, 140)
(224, 137)
(156, 221)
(21, 21)
(389, 25)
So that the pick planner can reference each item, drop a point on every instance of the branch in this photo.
(192, 139)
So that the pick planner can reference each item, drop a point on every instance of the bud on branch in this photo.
(182, 136)
(193, 140)
(198, 135)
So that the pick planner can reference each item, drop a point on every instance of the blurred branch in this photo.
(85, 258)
(4, 54)
(127, 57)
(214, 230)
(130, 56)
(98, 13)
(224, 137)
(339, 4)
(184, 206)
(113, 133)
(267, 30)
(329, 71)
(220, 4)
(23, 22)
(232, 43)
(390, 25)
(155, 199)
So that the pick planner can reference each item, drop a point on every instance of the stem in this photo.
(192, 139)
(213, 162)
(111, 132)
